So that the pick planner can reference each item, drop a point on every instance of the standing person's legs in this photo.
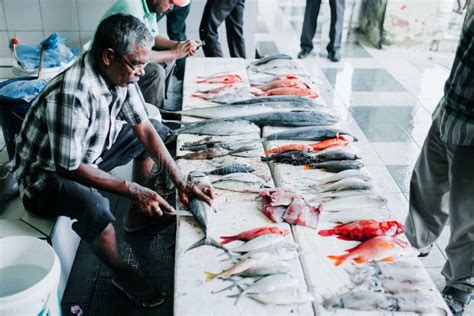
(309, 24)
(429, 182)
(459, 268)
(176, 29)
(234, 25)
(155, 82)
(337, 24)
(215, 12)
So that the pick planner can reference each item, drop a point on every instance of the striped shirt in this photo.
(73, 121)
(454, 114)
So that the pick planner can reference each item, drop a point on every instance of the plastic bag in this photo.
(24, 89)
(56, 53)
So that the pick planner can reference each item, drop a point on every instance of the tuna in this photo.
(335, 165)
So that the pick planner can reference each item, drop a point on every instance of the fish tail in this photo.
(338, 260)
(327, 232)
(227, 239)
(307, 167)
(207, 241)
(210, 276)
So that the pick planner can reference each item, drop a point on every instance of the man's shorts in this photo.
(86, 205)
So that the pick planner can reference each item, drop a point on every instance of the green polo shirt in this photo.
(138, 9)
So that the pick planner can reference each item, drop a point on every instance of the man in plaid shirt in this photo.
(71, 137)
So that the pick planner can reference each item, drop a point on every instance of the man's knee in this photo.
(162, 130)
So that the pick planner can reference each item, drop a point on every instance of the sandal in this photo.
(137, 296)
(456, 299)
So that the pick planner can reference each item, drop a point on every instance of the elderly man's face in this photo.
(129, 68)
(160, 6)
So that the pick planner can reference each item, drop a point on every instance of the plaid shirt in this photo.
(455, 112)
(73, 121)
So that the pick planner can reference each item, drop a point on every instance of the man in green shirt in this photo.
(158, 72)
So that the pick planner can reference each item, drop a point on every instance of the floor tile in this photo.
(402, 176)
(261, 27)
(397, 98)
(363, 99)
(384, 132)
(293, 10)
(362, 80)
(350, 50)
(393, 153)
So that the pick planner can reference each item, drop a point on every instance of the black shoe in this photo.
(334, 56)
(456, 299)
(304, 53)
(425, 251)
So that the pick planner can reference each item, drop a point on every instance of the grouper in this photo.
(202, 213)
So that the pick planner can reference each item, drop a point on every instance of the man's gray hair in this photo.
(121, 32)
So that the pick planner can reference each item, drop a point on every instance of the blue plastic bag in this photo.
(23, 89)
(56, 53)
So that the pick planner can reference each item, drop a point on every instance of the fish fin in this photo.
(227, 239)
(306, 167)
(351, 249)
(359, 260)
(326, 232)
(207, 242)
(388, 259)
(338, 260)
(385, 245)
(210, 276)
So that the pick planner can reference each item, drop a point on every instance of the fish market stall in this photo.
(316, 235)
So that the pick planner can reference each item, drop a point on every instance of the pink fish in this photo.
(299, 212)
(224, 79)
(253, 233)
(381, 248)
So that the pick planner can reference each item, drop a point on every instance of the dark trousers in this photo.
(88, 206)
(176, 29)
(155, 82)
(311, 20)
(216, 12)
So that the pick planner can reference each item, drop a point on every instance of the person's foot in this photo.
(136, 220)
(137, 288)
(425, 251)
(334, 56)
(456, 299)
(304, 53)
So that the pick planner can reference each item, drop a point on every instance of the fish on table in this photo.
(239, 267)
(339, 140)
(299, 91)
(347, 217)
(218, 151)
(202, 213)
(350, 173)
(228, 78)
(347, 184)
(266, 59)
(240, 182)
(364, 229)
(255, 232)
(380, 248)
(231, 168)
(225, 127)
(335, 165)
(259, 242)
(301, 158)
(311, 133)
(354, 203)
(276, 98)
(284, 297)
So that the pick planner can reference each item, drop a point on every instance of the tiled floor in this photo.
(390, 93)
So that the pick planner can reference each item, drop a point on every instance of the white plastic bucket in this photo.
(29, 277)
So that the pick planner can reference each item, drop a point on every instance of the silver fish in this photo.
(241, 182)
(312, 133)
(259, 242)
(269, 58)
(336, 153)
(273, 266)
(326, 196)
(226, 111)
(347, 217)
(284, 297)
(221, 127)
(362, 301)
(202, 212)
(277, 249)
(276, 98)
(355, 203)
(415, 302)
(336, 165)
(231, 168)
(346, 174)
(347, 184)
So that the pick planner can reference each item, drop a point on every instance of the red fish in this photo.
(304, 92)
(340, 140)
(364, 229)
(381, 248)
(253, 233)
(225, 79)
(285, 148)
